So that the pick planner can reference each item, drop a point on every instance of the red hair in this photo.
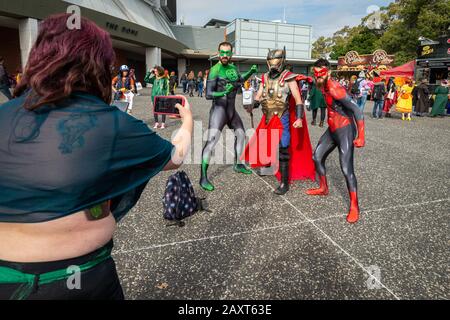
(63, 61)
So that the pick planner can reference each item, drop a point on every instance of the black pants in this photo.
(98, 283)
(342, 139)
(322, 114)
(219, 117)
(5, 90)
(163, 118)
(191, 90)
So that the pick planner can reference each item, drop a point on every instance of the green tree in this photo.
(410, 19)
(401, 24)
(321, 47)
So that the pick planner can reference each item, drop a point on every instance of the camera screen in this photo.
(167, 105)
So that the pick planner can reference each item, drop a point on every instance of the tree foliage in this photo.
(399, 27)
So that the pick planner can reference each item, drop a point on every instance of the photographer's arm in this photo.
(182, 140)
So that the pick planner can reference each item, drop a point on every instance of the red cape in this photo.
(301, 165)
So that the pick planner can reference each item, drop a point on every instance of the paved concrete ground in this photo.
(255, 245)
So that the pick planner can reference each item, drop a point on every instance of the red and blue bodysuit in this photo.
(345, 132)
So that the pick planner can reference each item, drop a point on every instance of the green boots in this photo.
(240, 168)
(204, 182)
(207, 185)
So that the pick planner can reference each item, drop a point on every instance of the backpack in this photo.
(355, 87)
(378, 92)
(179, 199)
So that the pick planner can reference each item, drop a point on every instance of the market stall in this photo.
(353, 63)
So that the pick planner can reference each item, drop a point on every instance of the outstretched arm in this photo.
(249, 73)
(339, 93)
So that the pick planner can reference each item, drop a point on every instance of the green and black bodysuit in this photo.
(221, 87)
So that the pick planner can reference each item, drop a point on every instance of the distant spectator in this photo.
(200, 84)
(360, 90)
(123, 86)
(133, 77)
(255, 83)
(160, 87)
(378, 93)
(422, 98)
(173, 80)
(391, 97)
(184, 82)
(5, 83)
(352, 87)
(191, 83)
(414, 95)
(440, 102)
(404, 105)
(316, 102)
(305, 89)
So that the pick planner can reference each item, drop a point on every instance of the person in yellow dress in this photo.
(405, 100)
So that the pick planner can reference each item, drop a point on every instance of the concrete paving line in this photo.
(234, 234)
(325, 234)
(283, 226)
(416, 204)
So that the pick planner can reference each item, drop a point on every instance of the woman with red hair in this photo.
(71, 166)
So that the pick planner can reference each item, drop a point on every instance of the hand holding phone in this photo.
(184, 110)
(168, 105)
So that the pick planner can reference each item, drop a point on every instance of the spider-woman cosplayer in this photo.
(223, 82)
(343, 114)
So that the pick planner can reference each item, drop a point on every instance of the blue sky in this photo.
(326, 16)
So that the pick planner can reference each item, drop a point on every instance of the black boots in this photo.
(284, 172)
(284, 184)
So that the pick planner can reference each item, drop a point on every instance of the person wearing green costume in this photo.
(440, 102)
(221, 87)
(160, 83)
(316, 102)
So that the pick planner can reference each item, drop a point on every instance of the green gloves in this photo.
(229, 88)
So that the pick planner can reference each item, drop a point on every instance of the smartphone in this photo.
(166, 105)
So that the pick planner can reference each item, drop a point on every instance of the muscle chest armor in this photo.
(337, 115)
(274, 100)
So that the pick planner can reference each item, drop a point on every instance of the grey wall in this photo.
(199, 38)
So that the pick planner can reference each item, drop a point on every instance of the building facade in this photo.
(253, 38)
(140, 29)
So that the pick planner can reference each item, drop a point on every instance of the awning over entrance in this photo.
(406, 70)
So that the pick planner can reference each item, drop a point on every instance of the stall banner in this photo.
(353, 61)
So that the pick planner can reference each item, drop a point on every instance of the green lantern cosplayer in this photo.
(223, 82)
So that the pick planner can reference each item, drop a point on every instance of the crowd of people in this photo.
(408, 99)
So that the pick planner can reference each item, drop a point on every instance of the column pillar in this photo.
(152, 57)
(28, 31)
(181, 67)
